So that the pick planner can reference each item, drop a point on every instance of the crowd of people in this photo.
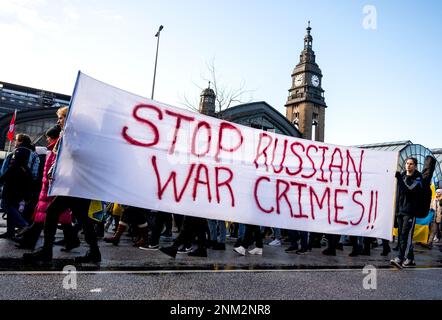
(26, 177)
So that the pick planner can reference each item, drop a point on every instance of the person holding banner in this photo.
(252, 234)
(31, 236)
(79, 208)
(410, 192)
(193, 227)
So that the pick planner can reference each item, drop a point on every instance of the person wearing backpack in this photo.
(23, 141)
(16, 191)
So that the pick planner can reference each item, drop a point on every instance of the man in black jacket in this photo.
(410, 191)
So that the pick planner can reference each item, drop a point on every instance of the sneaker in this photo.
(291, 249)
(275, 243)
(150, 247)
(301, 251)
(408, 263)
(256, 251)
(184, 249)
(396, 262)
(241, 250)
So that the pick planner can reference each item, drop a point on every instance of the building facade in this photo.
(306, 103)
(35, 110)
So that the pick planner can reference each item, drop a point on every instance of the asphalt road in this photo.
(239, 285)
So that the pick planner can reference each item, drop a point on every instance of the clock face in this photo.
(299, 79)
(315, 80)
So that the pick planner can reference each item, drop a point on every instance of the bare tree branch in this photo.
(225, 96)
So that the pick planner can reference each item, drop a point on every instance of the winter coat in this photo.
(17, 182)
(44, 200)
(410, 194)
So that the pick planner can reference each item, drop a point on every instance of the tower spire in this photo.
(308, 39)
(306, 104)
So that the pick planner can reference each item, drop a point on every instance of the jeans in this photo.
(214, 232)
(241, 230)
(15, 218)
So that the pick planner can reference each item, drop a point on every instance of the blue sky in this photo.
(380, 85)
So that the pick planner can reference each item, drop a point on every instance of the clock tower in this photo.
(306, 104)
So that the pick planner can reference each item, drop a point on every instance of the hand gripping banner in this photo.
(120, 147)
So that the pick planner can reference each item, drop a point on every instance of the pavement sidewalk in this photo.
(127, 258)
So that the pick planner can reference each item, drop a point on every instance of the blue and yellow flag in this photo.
(97, 210)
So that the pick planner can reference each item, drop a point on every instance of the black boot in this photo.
(71, 238)
(92, 255)
(43, 255)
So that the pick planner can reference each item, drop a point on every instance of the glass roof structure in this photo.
(408, 149)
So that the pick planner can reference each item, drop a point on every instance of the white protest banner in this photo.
(119, 147)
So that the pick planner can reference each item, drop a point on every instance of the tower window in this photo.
(315, 119)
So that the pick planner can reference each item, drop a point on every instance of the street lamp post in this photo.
(156, 59)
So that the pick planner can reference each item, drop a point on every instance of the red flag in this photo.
(11, 130)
